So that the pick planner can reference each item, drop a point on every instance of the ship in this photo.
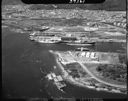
(80, 43)
(44, 28)
(45, 39)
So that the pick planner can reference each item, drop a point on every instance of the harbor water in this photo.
(26, 63)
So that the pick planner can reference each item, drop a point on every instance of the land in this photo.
(85, 25)
(82, 70)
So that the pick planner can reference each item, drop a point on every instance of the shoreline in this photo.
(69, 79)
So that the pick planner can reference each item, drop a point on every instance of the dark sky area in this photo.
(114, 5)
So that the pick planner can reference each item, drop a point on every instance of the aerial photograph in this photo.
(64, 50)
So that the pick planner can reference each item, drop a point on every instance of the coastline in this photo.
(69, 79)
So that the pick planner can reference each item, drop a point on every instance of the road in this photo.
(91, 74)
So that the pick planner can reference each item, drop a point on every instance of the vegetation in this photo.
(76, 70)
(122, 58)
(116, 72)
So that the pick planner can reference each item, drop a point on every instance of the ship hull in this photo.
(80, 44)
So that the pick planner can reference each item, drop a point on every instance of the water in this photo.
(25, 64)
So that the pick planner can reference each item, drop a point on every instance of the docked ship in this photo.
(43, 28)
(45, 39)
(81, 43)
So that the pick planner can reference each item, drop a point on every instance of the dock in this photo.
(57, 80)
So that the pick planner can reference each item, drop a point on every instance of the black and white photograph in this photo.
(61, 51)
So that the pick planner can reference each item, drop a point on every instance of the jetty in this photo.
(57, 79)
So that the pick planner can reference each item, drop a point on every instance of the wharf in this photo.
(57, 80)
